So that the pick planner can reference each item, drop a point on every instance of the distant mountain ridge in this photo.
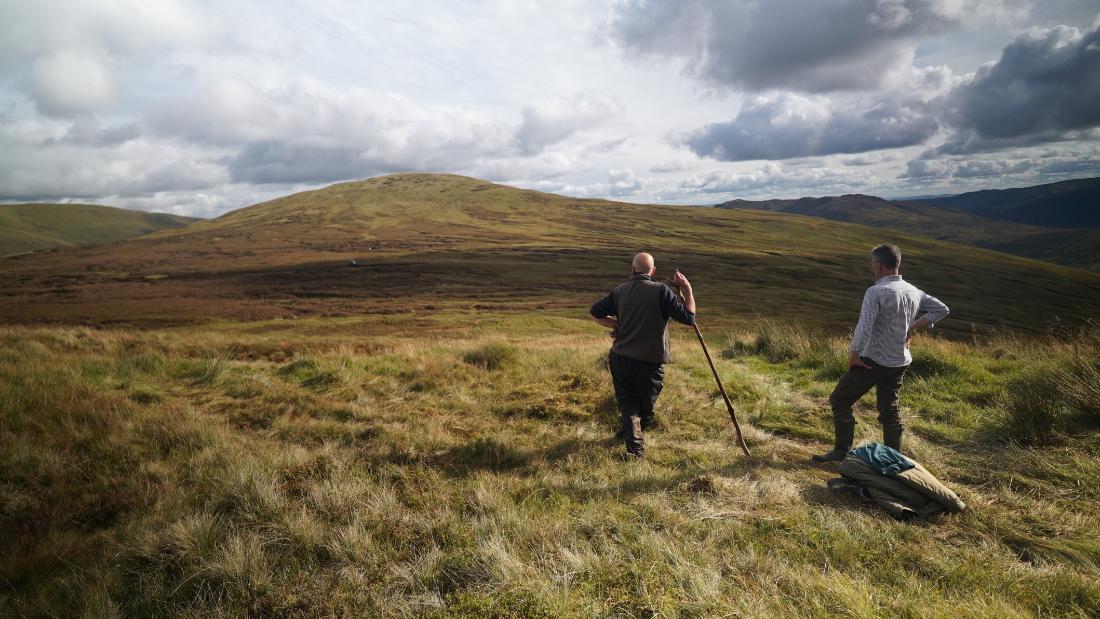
(1071, 246)
(1065, 204)
(37, 226)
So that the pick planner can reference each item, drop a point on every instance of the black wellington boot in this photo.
(891, 435)
(845, 433)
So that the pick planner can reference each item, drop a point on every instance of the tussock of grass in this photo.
(1055, 396)
(795, 343)
(421, 484)
(205, 371)
(491, 356)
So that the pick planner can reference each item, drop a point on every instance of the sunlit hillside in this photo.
(33, 227)
(438, 241)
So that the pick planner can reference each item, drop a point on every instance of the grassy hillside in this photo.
(1068, 204)
(429, 434)
(461, 464)
(1079, 247)
(36, 226)
(428, 243)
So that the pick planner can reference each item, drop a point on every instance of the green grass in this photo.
(336, 467)
(35, 226)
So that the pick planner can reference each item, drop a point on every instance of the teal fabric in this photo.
(885, 460)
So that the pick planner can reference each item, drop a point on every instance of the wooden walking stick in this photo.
(721, 389)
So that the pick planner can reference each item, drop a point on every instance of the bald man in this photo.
(638, 312)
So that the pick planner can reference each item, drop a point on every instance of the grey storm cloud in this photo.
(1045, 85)
(87, 131)
(790, 44)
(283, 162)
(789, 126)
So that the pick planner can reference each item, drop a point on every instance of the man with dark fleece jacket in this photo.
(638, 311)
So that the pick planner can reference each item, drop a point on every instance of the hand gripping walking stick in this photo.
(721, 389)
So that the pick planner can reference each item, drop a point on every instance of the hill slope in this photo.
(32, 227)
(1069, 204)
(1070, 246)
(429, 242)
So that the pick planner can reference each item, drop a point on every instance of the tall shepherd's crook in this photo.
(721, 389)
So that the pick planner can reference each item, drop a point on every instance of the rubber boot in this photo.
(845, 432)
(891, 435)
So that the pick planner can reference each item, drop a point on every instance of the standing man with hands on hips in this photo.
(893, 310)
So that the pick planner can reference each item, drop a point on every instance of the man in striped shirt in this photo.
(892, 311)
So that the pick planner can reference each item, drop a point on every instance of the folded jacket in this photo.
(885, 460)
(905, 494)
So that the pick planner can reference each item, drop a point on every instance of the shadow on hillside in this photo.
(820, 495)
(491, 455)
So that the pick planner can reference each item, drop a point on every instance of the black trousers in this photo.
(637, 385)
(858, 381)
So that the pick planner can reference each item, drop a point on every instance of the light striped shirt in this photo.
(889, 308)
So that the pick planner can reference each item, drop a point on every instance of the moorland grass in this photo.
(331, 468)
(33, 227)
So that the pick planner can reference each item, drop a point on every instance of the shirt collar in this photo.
(641, 276)
(888, 278)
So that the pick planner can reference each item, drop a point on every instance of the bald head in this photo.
(643, 264)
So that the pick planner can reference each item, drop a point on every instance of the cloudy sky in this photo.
(200, 107)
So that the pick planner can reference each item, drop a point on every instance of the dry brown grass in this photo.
(338, 467)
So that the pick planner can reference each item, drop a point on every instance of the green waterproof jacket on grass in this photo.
(904, 494)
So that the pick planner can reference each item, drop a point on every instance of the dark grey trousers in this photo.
(858, 381)
(637, 385)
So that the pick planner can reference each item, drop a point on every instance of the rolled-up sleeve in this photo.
(933, 309)
(867, 314)
(604, 307)
(672, 306)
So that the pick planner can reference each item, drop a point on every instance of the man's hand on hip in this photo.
(920, 323)
(855, 362)
(607, 321)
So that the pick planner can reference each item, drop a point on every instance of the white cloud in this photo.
(174, 105)
(133, 168)
(773, 177)
(1026, 165)
(787, 126)
(107, 26)
(672, 166)
(68, 82)
(552, 120)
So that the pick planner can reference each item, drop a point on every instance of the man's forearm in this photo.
(689, 299)
(918, 324)
(607, 321)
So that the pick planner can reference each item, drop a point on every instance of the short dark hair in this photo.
(887, 255)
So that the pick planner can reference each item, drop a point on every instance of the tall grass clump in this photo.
(1056, 396)
(207, 370)
(313, 375)
(491, 356)
(780, 342)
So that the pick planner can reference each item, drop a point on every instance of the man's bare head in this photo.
(643, 264)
